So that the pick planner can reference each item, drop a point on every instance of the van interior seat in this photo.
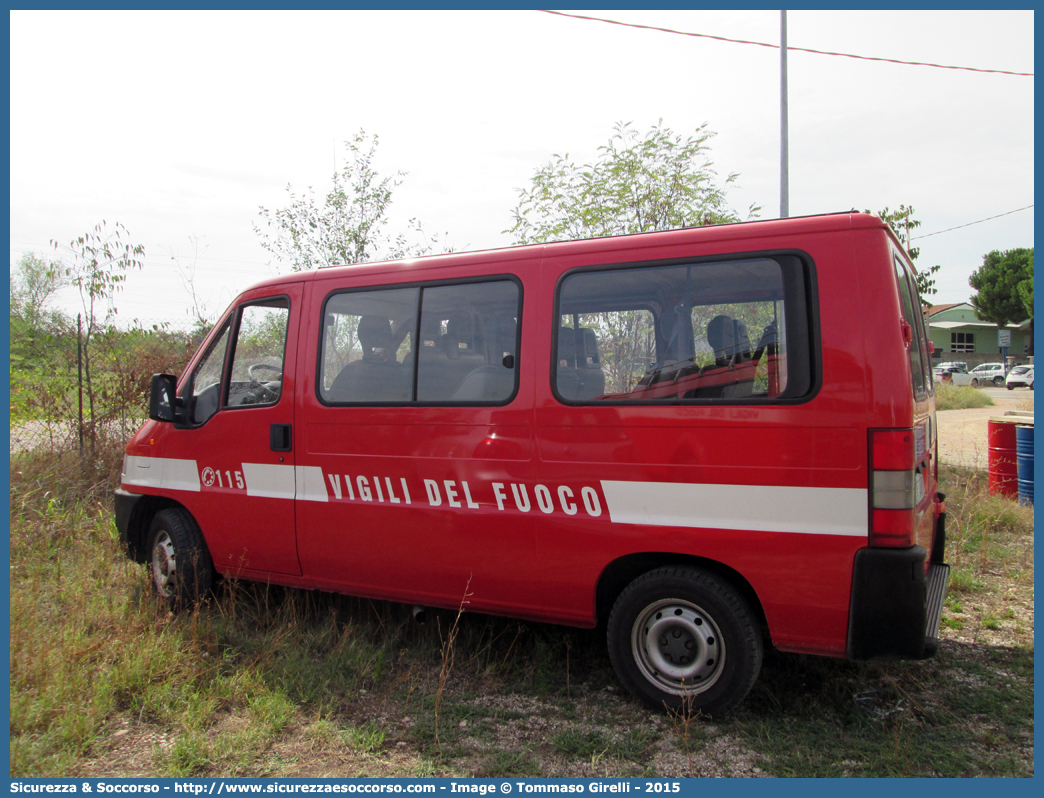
(589, 365)
(463, 354)
(580, 374)
(769, 341)
(494, 381)
(377, 376)
(732, 374)
(729, 339)
(433, 370)
(567, 381)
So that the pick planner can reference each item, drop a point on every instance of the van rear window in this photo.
(910, 303)
(691, 332)
(426, 344)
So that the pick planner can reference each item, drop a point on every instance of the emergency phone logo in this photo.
(208, 476)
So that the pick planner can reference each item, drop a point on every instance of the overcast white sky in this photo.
(180, 124)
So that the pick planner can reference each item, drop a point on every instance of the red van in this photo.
(707, 439)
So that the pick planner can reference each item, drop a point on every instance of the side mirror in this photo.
(163, 400)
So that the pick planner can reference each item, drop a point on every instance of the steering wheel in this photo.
(263, 367)
(264, 393)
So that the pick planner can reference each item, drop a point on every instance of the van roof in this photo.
(849, 220)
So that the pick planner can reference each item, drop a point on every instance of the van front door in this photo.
(240, 408)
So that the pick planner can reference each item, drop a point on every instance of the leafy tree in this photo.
(34, 326)
(1026, 288)
(40, 346)
(999, 295)
(659, 181)
(100, 262)
(1002, 285)
(902, 222)
(34, 281)
(349, 226)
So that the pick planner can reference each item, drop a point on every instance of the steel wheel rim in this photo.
(678, 647)
(164, 564)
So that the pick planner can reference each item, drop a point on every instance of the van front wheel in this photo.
(682, 639)
(179, 562)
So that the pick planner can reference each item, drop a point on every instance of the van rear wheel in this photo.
(683, 639)
(179, 561)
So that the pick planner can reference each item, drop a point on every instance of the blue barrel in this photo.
(1024, 451)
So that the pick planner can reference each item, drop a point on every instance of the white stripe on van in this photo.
(311, 487)
(772, 508)
(766, 508)
(160, 472)
(270, 481)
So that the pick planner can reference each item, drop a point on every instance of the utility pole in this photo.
(784, 137)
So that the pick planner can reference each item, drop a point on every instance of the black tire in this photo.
(974, 383)
(998, 380)
(1011, 387)
(664, 615)
(179, 561)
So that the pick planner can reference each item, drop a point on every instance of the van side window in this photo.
(466, 348)
(712, 331)
(257, 359)
(206, 381)
(911, 306)
(468, 342)
(367, 336)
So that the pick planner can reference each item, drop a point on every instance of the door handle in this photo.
(279, 437)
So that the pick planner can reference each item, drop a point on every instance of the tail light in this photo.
(894, 479)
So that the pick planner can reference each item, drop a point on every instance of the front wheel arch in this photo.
(179, 561)
(139, 523)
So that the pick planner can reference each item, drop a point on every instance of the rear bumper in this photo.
(896, 607)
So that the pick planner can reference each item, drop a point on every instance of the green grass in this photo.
(274, 682)
(581, 743)
(953, 397)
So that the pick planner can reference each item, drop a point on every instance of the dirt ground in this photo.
(963, 434)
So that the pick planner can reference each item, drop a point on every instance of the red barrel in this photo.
(1004, 459)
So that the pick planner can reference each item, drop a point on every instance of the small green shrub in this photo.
(959, 397)
(580, 744)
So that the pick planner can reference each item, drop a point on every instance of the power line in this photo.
(980, 221)
(776, 46)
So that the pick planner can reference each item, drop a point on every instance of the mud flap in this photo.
(888, 614)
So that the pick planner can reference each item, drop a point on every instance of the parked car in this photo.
(960, 364)
(1020, 376)
(955, 375)
(989, 372)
